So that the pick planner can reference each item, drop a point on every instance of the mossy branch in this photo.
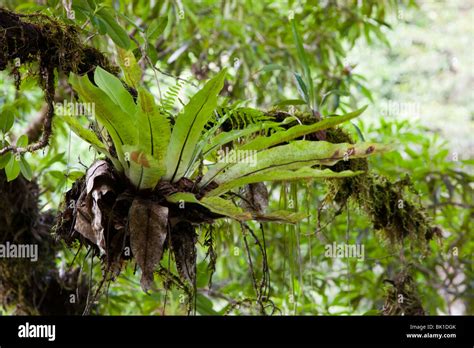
(54, 46)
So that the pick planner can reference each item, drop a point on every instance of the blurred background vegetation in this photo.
(412, 62)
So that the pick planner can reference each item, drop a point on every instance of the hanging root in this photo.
(262, 287)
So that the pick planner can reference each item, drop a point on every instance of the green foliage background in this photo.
(395, 56)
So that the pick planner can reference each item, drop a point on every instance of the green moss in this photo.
(54, 45)
(389, 205)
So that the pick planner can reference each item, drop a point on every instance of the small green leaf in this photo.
(302, 89)
(281, 216)
(57, 174)
(151, 52)
(359, 132)
(7, 118)
(115, 31)
(156, 28)
(204, 305)
(5, 159)
(12, 169)
(22, 141)
(74, 175)
(25, 169)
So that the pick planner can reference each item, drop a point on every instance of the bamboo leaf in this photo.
(302, 88)
(272, 67)
(156, 28)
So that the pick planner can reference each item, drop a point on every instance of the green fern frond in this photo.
(171, 96)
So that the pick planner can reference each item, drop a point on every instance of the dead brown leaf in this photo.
(148, 224)
(90, 216)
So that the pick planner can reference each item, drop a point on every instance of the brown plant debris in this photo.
(106, 213)
(98, 195)
(148, 225)
(183, 244)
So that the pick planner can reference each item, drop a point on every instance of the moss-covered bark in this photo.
(26, 286)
